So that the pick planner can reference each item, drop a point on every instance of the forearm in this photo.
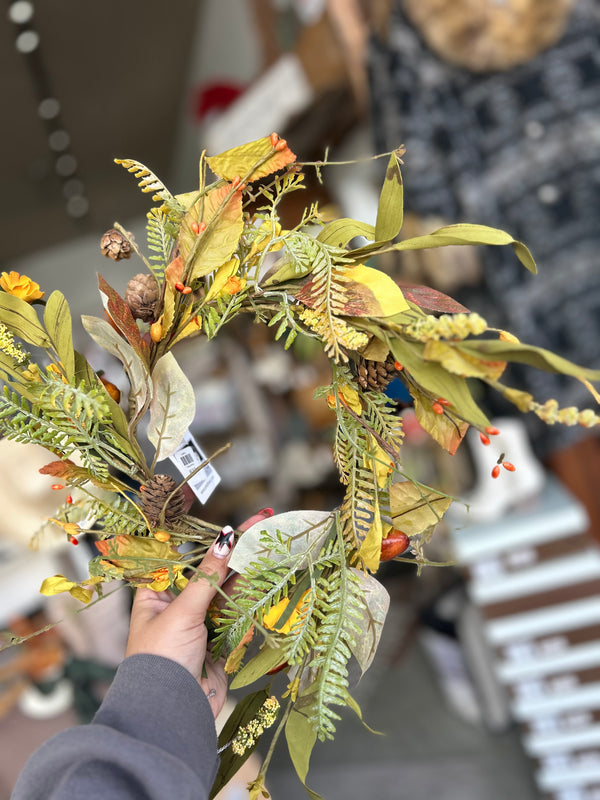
(153, 737)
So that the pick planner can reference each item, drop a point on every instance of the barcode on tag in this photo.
(188, 456)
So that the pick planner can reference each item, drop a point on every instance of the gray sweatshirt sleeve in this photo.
(153, 737)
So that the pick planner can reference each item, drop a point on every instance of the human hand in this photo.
(174, 627)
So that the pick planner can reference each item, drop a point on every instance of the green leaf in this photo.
(391, 201)
(301, 737)
(351, 703)
(241, 715)
(341, 231)
(437, 381)
(121, 315)
(415, 508)
(461, 233)
(57, 319)
(106, 336)
(525, 354)
(22, 320)
(267, 659)
(172, 408)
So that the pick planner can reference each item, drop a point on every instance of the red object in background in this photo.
(213, 97)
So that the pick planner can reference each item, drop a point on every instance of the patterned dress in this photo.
(517, 149)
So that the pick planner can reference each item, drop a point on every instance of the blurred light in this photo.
(20, 12)
(27, 41)
(77, 206)
(59, 140)
(65, 165)
(548, 193)
(49, 108)
(72, 187)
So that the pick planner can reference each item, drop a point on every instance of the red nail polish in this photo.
(267, 512)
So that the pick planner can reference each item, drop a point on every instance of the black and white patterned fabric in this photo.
(520, 150)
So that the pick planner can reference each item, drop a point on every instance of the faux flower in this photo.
(58, 584)
(272, 617)
(20, 286)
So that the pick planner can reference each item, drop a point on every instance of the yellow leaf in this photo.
(452, 358)
(137, 552)
(251, 161)
(447, 429)
(222, 275)
(193, 326)
(58, 584)
(414, 509)
(380, 463)
(370, 549)
(271, 618)
(220, 214)
(370, 292)
(70, 528)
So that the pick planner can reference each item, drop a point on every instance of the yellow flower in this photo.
(20, 286)
(58, 584)
(234, 284)
(272, 617)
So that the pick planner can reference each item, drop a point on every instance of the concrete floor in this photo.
(428, 752)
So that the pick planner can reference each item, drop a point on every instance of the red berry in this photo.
(484, 439)
(179, 286)
(201, 227)
(73, 540)
(443, 401)
(57, 486)
(398, 366)
(507, 465)
(195, 227)
(437, 408)
(396, 542)
(492, 431)
(68, 499)
(274, 139)
(496, 471)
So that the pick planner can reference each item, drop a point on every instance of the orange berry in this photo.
(274, 139)
(156, 332)
(179, 286)
(398, 366)
(507, 465)
(57, 486)
(68, 499)
(496, 471)
(395, 543)
(195, 227)
(186, 290)
(162, 536)
(112, 390)
(492, 431)
(236, 181)
(437, 408)
(484, 439)
(443, 401)
(281, 145)
(201, 227)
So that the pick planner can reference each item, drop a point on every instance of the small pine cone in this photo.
(154, 494)
(375, 375)
(114, 245)
(141, 296)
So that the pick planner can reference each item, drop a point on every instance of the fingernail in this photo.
(224, 542)
(266, 512)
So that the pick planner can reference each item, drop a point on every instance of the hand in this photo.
(174, 627)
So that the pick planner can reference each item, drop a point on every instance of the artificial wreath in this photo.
(308, 602)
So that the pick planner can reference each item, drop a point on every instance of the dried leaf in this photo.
(447, 429)
(21, 319)
(455, 360)
(370, 292)
(431, 301)
(370, 549)
(377, 602)
(121, 315)
(222, 275)
(250, 161)
(414, 509)
(172, 408)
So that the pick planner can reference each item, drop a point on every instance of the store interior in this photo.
(486, 683)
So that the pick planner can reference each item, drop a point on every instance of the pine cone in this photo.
(375, 375)
(141, 296)
(114, 245)
(154, 494)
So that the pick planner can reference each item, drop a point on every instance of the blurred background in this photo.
(487, 681)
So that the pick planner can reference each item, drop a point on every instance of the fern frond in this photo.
(340, 602)
(159, 232)
(115, 515)
(149, 182)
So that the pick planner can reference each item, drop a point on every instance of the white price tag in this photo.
(188, 456)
